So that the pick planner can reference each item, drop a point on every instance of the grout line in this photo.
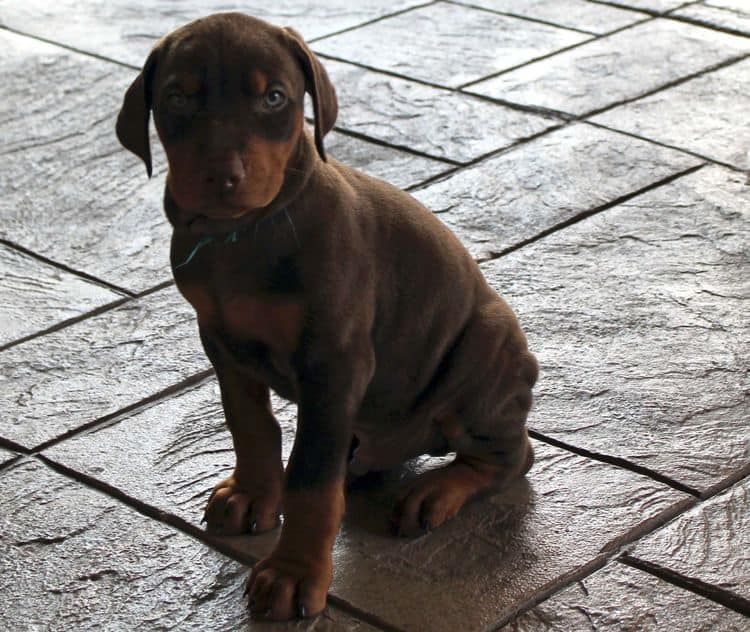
(714, 27)
(683, 150)
(731, 480)
(617, 461)
(66, 323)
(670, 84)
(372, 21)
(156, 288)
(432, 179)
(490, 154)
(550, 589)
(613, 3)
(557, 52)
(518, 16)
(146, 509)
(86, 315)
(362, 615)
(406, 149)
(66, 268)
(609, 553)
(9, 444)
(589, 213)
(149, 400)
(217, 543)
(617, 545)
(529, 109)
(709, 591)
(73, 49)
(10, 462)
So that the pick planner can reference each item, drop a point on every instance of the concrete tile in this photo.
(514, 196)
(622, 66)
(71, 377)
(177, 449)
(496, 554)
(706, 115)
(727, 14)
(35, 296)
(574, 14)
(74, 559)
(637, 317)
(622, 598)
(442, 44)
(70, 192)
(125, 30)
(708, 544)
(397, 167)
(434, 121)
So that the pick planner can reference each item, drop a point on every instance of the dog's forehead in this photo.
(229, 43)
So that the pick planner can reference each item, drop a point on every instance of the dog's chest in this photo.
(270, 319)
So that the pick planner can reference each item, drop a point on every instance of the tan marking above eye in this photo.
(258, 81)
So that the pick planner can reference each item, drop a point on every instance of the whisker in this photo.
(294, 230)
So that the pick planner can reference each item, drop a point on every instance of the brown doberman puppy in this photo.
(338, 291)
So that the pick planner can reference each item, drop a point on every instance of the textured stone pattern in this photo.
(436, 39)
(398, 112)
(622, 598)
(622, 66)
(96, 367)
(619, 239)
(178, 449)
(709, 544)
(638, 318)
(521, 193)
(69, 192)
(125, 30)
(398, 167)
(74, 559)
(35, 296)
(575, 14)
(733, 15)
(706, 115)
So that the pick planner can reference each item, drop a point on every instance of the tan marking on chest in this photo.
(276, 322)
(204, 303)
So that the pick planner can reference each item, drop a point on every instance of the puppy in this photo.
(336, 290)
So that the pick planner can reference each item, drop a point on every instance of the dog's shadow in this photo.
(370, 499)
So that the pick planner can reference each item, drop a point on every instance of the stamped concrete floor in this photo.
(592, 156)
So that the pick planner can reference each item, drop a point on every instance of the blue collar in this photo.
(231, 238)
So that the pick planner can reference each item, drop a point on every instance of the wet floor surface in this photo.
(592, 157)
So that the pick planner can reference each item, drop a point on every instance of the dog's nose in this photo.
(226, 175)
(230, 183)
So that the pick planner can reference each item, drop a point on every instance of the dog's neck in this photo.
(297, 174)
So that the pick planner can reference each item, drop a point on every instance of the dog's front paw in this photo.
(234, 508)
(281, 587)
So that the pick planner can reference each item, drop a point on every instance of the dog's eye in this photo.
(274, 99)
(177, 99)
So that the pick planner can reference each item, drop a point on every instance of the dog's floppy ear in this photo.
(132, 121)
(317, 83)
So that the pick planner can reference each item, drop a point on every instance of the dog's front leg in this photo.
(294, 579)
(250, 499)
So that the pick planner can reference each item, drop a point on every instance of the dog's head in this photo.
(227, 93)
